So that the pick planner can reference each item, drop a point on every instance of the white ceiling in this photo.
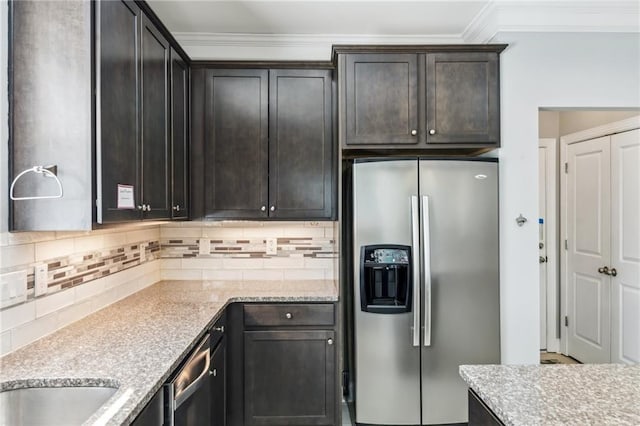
(306, 29)
(318, 17)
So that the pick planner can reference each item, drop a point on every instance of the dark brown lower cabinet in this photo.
(153, 413)
(218, 384)
(289, 377)
(479, 413)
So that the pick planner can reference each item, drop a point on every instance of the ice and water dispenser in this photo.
(385, 279)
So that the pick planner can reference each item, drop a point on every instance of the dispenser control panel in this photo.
(387, 255)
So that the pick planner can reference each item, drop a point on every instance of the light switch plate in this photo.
(272, 246)
(41, 278)
(13, 288)
(205, 246)
(143, 252)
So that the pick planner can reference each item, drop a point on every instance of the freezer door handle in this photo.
(426, 250)
(415, 248)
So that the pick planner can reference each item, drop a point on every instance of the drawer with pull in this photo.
(288, 314)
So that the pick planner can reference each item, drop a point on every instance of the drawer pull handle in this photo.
(288, 315)
(330, 341)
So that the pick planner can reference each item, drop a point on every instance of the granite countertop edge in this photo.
(558, 394)
(74, 344)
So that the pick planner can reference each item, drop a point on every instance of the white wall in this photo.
(546, 70)
(4, 119)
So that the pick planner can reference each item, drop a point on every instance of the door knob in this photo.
(543, 259)
(604, 270)
(613, 272)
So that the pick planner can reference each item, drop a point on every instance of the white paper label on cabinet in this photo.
(125, 197)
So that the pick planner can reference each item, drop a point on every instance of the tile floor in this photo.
(556, 358)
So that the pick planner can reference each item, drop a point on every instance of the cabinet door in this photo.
(381, 99)
(462, 98)
(179, 137)
(155, 122)
(236, 143)
(289, 377)
(301, 153)
(118, 100)
(217, 373)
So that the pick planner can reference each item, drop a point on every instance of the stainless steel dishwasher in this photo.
(188, 394)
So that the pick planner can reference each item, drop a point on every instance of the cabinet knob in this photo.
(220, 329)
(176, 208)
(213, 372)
(414, 132)
(288, 315)
(142, 207)
(263, 208)
(330, 342)
(148, 207)
(273, 208)
(432, 131)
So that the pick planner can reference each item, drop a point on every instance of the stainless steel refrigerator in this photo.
(426, 286)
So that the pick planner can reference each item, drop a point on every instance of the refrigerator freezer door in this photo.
(465, 310)
(387, 382)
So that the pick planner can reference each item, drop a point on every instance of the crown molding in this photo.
(630, 123)
(497, 16)
(553, 16)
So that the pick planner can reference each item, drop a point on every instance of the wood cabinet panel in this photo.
(381, 99)
(479, 413)
(301, 154)
(179, 137)
(236, 143)
(119, 101)
(289, 377)
(218, 382)
(155, 122)
(288, 314)
(462, 98)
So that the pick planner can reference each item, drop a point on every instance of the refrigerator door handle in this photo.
(426, 250)
(415, 248)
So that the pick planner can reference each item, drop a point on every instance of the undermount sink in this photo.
(71, 405)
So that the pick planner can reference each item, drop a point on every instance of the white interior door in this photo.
(542, 241)
(625, 246)
(588, 227)
(549, 290)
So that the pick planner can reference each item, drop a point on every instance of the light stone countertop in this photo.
(137, 342)
(576, 394)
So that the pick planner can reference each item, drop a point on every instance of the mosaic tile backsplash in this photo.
(89, 270)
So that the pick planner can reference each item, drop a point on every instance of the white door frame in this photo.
(551, 233)
(595, 132)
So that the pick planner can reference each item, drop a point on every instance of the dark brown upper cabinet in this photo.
(179, 137)
(300, 144)
(134, 116)
(236, 148)
(382, 99)
(118, 146)
(462, 98)
(419, 98)
(267, 141)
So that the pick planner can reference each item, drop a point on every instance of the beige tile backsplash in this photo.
(306, 251)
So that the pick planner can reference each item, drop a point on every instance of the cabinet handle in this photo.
(414, 132)
(273, 208)
(220, 329)
(288, 315)
(263, 208)
(432, 131)
(330, 342)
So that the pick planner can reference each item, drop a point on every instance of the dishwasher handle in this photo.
(203, 351)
